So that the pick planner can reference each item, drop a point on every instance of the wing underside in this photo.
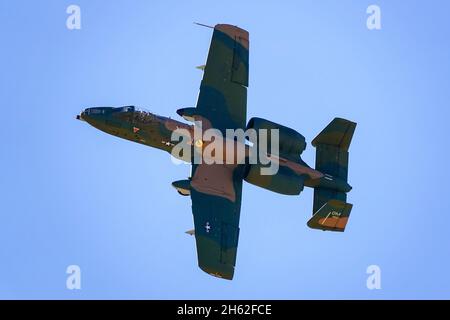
(223, 91)
(216, 218)
(216, 188)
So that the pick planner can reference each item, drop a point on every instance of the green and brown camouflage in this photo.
(216, 189)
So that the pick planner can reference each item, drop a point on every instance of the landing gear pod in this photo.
(188, 113)
(183, 187)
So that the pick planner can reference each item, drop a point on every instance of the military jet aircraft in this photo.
(216, 189)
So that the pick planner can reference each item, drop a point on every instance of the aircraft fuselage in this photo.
(156, 131)
(135, 125)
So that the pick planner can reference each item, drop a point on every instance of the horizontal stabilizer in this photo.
(338, 133)
(332, 216)
(190, 232)
(332, 148)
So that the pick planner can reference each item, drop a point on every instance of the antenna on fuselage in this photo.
(203, 25)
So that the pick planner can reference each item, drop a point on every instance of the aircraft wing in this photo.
(223, 91)
(216, 191)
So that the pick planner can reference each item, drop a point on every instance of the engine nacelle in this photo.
(285, 181)
(291, 143)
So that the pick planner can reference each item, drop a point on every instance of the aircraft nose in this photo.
(80, 116)
(86, 113)
(83, 114)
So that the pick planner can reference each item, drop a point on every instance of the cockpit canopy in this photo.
(125, 109)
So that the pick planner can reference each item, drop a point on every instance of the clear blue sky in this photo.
(73, 195)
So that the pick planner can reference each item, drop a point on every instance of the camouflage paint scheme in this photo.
(216, 190)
